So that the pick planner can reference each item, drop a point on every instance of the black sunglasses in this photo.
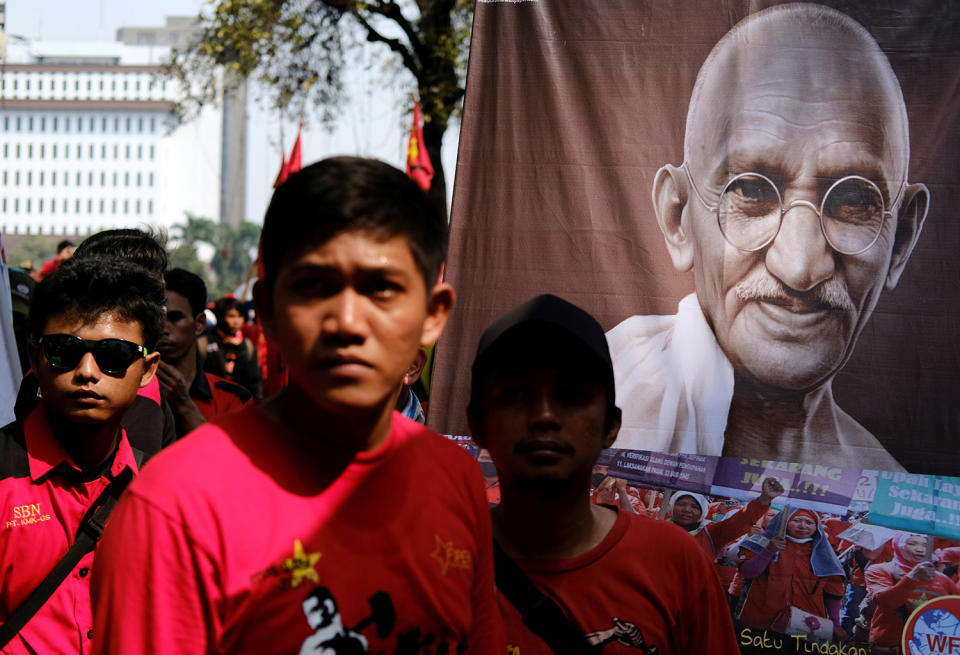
(113, 356)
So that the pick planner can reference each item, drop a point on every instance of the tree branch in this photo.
(394, 44)
(392, 11)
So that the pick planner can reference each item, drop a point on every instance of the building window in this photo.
(53, 178)
(18, 124)
(53, 151)
(103, 178)
(150, 178)
(30, 124)
(40, 84)
(16, 178)
(53, 206)
(150, 207)
(139, 177)
(76, 206)
(6, 123)
(113, 85)
(89, 85)
(92, 120)
(126, 179)
(64, 205)
(102, 205)
(40, 181)
(78, 179)
(126, 206)
(6, 150)
(26, 85)
(138, 207)
(114, 179)
(153, 125)
(66, 151)
(29, 178)
(127, 151)
(129, 123)
(103, 121)
(56, 123)
(66, 124)
(4, 178)
(90, 178)
(139, 120)
(29, 151)
(76, 87)
(113, 206)
(42, 150)
(66, 182)
(79, 152)
(151, 152)
(40, 205)
(79, 125)
(116, 151)
(89, 205)
(103, 151)
(16, 201)
(140, 152)
(116, 123)
(18, 151)
(28, 199)
(43, 123)
(14, 84)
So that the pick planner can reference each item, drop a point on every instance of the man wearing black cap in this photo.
(542, 404)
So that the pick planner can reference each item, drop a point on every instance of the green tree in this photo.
(299, 48)
(234, 249)
(35, 248)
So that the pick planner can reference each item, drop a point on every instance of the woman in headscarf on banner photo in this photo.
(898, 586)
(794, 582)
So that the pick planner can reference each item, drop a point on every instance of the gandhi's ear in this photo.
(913, 212)
(669, 199)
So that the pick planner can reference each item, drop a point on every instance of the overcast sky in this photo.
(373, 125)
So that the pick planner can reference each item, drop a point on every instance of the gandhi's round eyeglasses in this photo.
(750, 212)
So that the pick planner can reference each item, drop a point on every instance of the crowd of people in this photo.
(326, 518)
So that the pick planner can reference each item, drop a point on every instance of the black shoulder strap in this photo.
(541, 614)
(91, 527)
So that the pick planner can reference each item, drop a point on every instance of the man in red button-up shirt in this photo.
(94, 326)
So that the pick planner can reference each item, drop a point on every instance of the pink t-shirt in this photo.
(229, 543)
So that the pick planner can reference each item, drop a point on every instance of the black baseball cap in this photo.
(532, 321)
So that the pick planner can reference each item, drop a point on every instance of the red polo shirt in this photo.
(43, 497)
(215, 396)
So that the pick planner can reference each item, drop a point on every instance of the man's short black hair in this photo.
(66, 243)
(133, 245)
(91, 287)
(189, 286)
(352, 193)
(224, 305)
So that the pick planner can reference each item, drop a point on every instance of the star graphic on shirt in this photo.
(447, 555)
(301, 565)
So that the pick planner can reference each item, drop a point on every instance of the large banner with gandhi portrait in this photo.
(756, 201)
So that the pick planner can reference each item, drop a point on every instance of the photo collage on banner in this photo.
(755, 199)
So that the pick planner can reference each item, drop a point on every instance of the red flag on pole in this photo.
(284, 171)
(295, 163)
(419, 167)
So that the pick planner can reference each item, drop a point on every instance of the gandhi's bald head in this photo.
(792, 102)
(818, 62)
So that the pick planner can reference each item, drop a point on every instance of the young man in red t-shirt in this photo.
(94, 324)
(194, 395)
(542, 404)
(267, 530)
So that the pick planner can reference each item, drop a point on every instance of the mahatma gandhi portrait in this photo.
(793, 210)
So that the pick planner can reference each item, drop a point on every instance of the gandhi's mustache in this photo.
(830, 294)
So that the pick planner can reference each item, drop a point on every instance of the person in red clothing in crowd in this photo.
(230, 354)
(689, 511)
(194, 396)
(94, 324)
(897, 587)
(225, 541)
(616, 582)
(64, 252)
(795, 571)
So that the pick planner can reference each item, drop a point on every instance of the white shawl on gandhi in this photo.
(674, 384)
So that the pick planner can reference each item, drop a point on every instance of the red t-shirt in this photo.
(42, 511)
(896, 600)
(645, 578)
(229, 543)
(215, 396)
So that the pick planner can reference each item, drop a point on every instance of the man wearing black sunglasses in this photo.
(94, 324)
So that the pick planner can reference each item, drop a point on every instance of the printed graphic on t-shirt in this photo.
(622, 632)
(301, 565)
(451, 557)
(331, 637)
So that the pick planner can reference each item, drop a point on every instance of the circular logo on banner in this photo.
(934, 628)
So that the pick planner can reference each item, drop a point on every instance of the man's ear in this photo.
(913, 212)
(416, 367)
(476, 427)
(669, 199)
(439, 305)
(263, 305)
(613, 427)
(199, 324)
(150, 364)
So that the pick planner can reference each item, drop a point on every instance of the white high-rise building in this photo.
(87, 141)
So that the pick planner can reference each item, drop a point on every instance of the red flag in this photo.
(419, 167)
(284, 171)
(295, 163)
